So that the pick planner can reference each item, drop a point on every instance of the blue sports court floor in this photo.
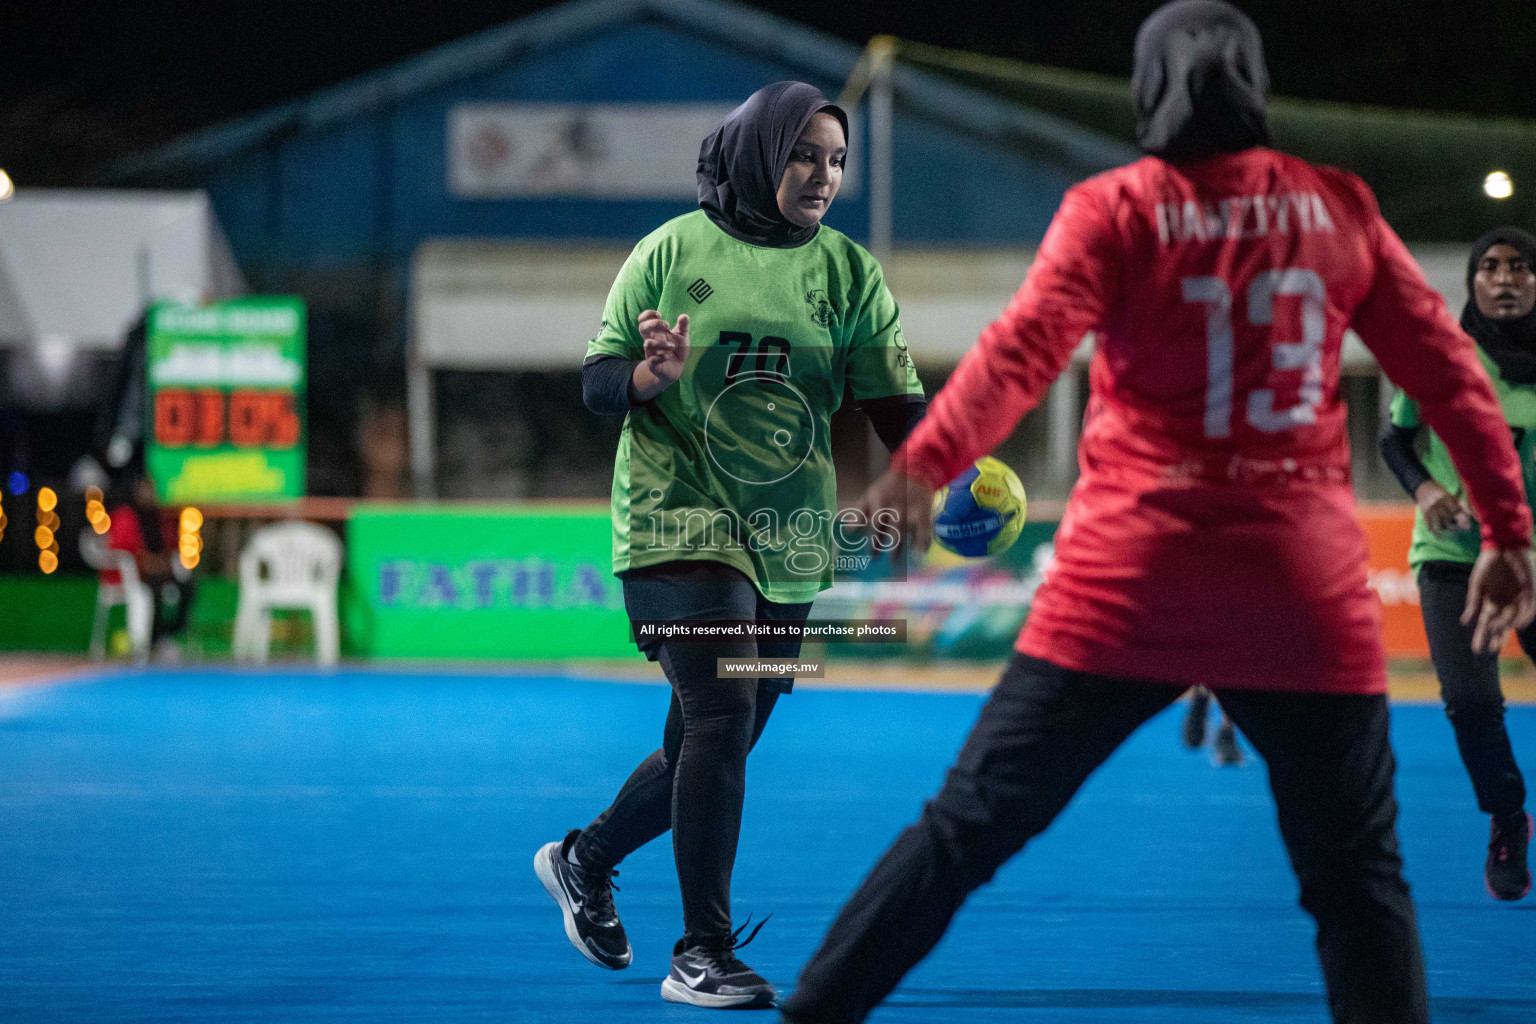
(217, 846)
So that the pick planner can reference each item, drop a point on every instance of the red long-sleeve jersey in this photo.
(1212, 536)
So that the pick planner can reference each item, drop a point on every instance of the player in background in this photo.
(1211, 538)
(1501, 294)
(729, 339)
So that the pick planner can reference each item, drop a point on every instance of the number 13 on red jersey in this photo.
(1306, 355)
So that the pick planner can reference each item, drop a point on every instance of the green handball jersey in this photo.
(733, 463)
(1519, 403)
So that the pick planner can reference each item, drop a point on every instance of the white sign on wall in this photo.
(595, 151)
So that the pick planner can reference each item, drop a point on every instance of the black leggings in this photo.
(696, 783)
(1042, 733)
(1469, 685)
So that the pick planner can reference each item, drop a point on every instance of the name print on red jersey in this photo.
(1241, 217)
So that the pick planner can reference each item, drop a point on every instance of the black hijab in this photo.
(742, 162)
(1511, 344)
(1199, 83)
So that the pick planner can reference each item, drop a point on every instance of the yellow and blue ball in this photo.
(981, 511)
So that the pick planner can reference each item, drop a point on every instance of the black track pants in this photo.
(1469, 685)
(1040, 736)
(696, 783)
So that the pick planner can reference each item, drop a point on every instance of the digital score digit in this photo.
(203, 418)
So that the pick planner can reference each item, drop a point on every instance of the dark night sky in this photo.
(83, 81)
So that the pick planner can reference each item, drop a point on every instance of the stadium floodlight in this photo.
(1498, 185)
(7, 187)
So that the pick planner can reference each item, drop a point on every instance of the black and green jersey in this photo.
(1519, 403)
(733, 463)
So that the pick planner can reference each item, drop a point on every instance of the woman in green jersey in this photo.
(1499, 315)
(729, 338)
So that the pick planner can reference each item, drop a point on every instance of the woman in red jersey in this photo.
(1211, 538)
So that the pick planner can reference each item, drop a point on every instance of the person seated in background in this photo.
(140, 527)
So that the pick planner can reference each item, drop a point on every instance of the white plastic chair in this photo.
(288, 565)
(130, 592)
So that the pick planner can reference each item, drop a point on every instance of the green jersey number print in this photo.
(733, 462)
(761, 419)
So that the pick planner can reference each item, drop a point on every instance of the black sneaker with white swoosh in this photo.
(585, 898)
(714, 978)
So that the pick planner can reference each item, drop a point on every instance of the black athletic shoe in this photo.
(1194, 718)
(585, 898)
(1224, 749)
(716, 979)
(1506, 873)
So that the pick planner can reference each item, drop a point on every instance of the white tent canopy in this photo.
(78, 266)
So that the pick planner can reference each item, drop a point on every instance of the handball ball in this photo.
(981, 511)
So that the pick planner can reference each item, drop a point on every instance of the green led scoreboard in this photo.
(226, 400)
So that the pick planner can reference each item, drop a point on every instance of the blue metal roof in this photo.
(1076, 150)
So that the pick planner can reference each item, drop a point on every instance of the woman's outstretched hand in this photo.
(666, 353)
(901, 502)
(1499, 597)
(1442, 512)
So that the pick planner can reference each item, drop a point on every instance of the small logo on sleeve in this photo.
(822, 310)
(700, 290)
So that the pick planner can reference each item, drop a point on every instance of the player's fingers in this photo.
(1527, 612)
(1480, 644)
(682, 327)
(1492, 640)
(1474, 605)
(1525, 602)
(1480, 631)
(891, 503)
(1442, 515)
(919, 509)
(870, 520)
(1493, 626)
(922, 532)
(1520, 615)
(1502, 617)
(1473, 608)
(865, 508)
(863, 518)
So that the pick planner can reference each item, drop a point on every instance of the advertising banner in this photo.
(587, 150)
(226, 400)
(535, 582)
(494, 582)
(1388, 535)
(954, 607)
